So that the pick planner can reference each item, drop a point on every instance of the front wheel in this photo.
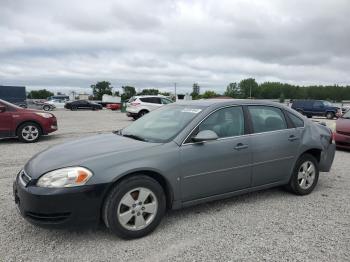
(47, 108)
(305, 175)
(29, 132)
(134, 207)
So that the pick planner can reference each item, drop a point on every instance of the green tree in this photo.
(147, 92)
(101, 88)
(39, 94)
(128, 92)
(249, 88)
(232, 90)
(209, 94)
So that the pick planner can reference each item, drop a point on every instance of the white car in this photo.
(138, 106)
(55, 103)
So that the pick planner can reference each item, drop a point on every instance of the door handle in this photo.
(292, 138)
(240, 146)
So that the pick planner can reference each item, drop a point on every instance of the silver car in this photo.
(179, 155)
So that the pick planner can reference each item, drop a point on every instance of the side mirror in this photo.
(2, 109)
(205, 135)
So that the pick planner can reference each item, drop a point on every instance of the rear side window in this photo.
(298, 122)
(153, 100)
(318, 104)
(266, 118)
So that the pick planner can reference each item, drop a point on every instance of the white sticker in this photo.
(191, 110)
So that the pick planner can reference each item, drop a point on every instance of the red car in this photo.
(113, 106)
(342, 131)
(26, 124)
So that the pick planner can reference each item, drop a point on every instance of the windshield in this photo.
(346, 115)
(326, 103)
(9, 104)
(163, 124)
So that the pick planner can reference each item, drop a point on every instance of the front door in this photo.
(6, 123)
(219, 166)
(274, 145)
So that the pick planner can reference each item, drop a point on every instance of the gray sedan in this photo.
(179, 155)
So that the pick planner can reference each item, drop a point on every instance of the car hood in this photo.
(343, 124)
(79, 152)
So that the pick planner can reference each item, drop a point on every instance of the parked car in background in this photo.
(138, 106)
(342, 131)
(55, 103)
(39, 105)
(114, 106)
(177, 156)
(26, 124)
(312, 108)
(58, 97)
(82, 104)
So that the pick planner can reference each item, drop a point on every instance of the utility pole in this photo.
(175, 91)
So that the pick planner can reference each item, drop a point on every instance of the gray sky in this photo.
(65, 45)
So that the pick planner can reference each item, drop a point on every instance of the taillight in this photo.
(135, 104)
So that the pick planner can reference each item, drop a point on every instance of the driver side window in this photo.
(226, 122)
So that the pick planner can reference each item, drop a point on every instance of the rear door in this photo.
(274, 145)
(6, 122)
(318, 108)
(219, 166)
(151, 103)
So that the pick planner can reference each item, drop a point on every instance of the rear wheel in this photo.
(142, 113)
(305, 175)
(29, 132)
(330, 115)
(73, 108)
(135, 207)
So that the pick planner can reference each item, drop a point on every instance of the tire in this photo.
(135, 117)
(330, 115)
(29, 132)
(46, 108)
(303, 182)
(73, 108)
(126, 192)
(142, 113)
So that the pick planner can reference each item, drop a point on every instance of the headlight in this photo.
(65, 177)
(44, 115)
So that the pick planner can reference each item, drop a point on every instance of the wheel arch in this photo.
(165, 184)
(28, 121)
(315, 152)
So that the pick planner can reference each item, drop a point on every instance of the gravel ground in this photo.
(269, 225)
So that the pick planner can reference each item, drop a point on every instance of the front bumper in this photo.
(59, 207)
(342, 141)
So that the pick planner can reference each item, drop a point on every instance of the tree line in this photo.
(275, 90)
(246, 88)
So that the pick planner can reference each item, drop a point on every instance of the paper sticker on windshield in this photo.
(191, 110)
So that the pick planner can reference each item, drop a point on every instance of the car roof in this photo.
(149, 96)
(224, 102)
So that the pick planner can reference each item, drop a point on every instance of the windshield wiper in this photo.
(135, 137)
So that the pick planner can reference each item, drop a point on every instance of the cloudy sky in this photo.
(68, 45)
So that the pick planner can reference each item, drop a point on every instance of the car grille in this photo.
(343, 133)
(24, 178)
(56, 217)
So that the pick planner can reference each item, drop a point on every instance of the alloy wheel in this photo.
(306, 175)
(137, 209)
(30, 133)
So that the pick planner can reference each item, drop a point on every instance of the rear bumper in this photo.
(342, 141)
(327, 157)
(59, 207)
